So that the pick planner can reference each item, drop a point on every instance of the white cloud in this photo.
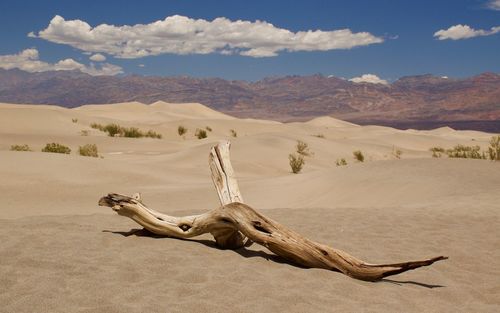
(463, 32)
(28, 60)
(369, 78)
(183, 35)
(494, 5)
(97, 57)
(141, 65)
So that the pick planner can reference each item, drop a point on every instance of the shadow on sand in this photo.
(246, 253)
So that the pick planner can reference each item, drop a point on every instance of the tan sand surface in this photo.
(60, 252)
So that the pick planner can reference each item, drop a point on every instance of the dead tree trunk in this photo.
(235, 223)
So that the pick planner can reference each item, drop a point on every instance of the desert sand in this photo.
(60, 252)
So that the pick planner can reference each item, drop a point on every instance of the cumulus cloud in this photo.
(369, 78)
(494, 5)
(183, 35)
(28, 60)
(97, 57)
(464, 32)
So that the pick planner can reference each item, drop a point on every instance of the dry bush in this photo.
(200, 133)
(56, 148)
(74, 120)
(132, 132)
(296, 162)
(84, 132)
(437, 151)
(341, 162)
(113, 129)
(89, 150)
(208, 128)
(303, 148)
(153, 134)
(466, 152)
(20, 148)
(358, 155)
(181, 130)
(396, 152)
(494, 148)
(98, 126)
(233, 133)
(319, 135)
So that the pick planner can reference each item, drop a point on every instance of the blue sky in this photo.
(389, 39)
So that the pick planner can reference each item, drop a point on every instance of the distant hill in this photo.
(423, 101)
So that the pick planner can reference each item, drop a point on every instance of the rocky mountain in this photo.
(423, 101)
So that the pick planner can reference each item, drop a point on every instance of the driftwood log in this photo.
(236, 224)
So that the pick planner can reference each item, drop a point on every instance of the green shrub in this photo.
(233, 133)
(20, 148)
(181, 130)
(130, 132)
(200, 133)
(296, 162)
(341, 162)
(303, 148)
(494, 148)
(56, 148)
(437, 151)
(89, 150)
(208, 128)
(358, 155)
(466, 152)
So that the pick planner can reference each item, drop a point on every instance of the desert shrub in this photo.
(89, 150)
(437, 151)
(132, 132)
(319, 135)
(153, 134)
(97, 126)
(303, 148)
(200, 133)
(20, 148)
(358, 155)
(208, 128)
(113, 129)
(56, 148)
(296, 162)
(466, 152)
(494, 148)
(84, 132)
(74, 120)
(181, 130)
(396, 152)
(233, 133)
(341, 162)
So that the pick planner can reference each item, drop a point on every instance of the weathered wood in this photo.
(228, 191)
(223, 174)
(234, 221)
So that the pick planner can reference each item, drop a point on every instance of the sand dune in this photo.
(60, 252)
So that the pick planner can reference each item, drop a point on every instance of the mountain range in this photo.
(423, 101)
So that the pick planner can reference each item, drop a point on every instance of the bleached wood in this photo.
(223, 174)
(233, 221)
(262, 230)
